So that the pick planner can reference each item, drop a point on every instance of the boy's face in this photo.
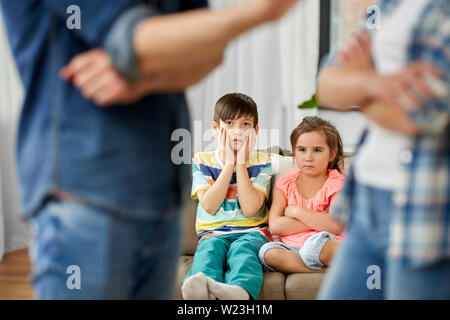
(237, 128)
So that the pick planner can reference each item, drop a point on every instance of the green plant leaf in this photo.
(309, 104)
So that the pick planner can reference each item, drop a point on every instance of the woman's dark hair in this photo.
(334, 140)
(233, 106)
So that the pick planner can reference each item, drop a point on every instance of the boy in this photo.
(232, 184)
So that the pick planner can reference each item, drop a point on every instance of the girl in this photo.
(302, 201)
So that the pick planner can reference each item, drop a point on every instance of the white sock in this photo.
(195, 287)
(225, 291)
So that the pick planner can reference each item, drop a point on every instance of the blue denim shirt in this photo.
(118, 158)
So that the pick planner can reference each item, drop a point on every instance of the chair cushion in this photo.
(273, 286)
(303, 286)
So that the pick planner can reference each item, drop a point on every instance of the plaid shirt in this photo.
(419, 233)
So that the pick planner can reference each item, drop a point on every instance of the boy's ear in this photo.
(215, 128)
(256, 129)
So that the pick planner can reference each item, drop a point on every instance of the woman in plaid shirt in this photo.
(396, 197)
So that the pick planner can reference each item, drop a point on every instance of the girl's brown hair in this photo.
(334, 140)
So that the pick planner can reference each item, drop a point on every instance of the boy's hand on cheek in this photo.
(247, 148)
(226, 148)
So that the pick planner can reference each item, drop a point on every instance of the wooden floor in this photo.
(15, 269)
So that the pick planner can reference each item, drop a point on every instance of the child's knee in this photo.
(274, 257)
(328, 251)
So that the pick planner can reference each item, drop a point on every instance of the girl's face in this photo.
(312, 153)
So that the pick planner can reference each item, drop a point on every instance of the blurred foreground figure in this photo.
(98, 185)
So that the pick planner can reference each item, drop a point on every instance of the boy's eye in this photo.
(247, 124)
(229, 123)
(301, 149)
(317, 150)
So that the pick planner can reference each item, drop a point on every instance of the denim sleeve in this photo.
(119, 41)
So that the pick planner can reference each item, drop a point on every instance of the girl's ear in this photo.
(333, 155)
(256, 129)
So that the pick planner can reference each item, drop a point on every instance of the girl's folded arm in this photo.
(320, 221)
(278, 223)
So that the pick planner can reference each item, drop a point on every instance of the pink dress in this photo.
(319, 203)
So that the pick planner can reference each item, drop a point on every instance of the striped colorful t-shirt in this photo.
(206, 168)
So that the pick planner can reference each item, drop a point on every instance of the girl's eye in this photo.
(317, 150)
(229, 123)
(301, 149)
(247, 124)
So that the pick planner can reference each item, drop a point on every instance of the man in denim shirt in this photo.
(98, 185)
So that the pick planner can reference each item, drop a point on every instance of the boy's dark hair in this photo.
(334, 140)
(233, 106)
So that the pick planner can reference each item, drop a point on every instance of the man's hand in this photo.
(93, 74)
(406, 90)
(391, 97)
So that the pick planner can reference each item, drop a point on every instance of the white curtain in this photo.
(275, 64)
(13, 231)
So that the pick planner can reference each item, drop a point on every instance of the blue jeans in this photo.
(362, 269)
(83, 252)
